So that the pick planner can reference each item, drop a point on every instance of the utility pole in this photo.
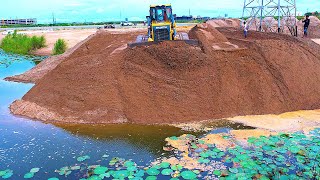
(261, 15)
(284, 10)
(53, 19)
(279, 20)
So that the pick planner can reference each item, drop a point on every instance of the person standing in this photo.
(306, 26)
(245, 29)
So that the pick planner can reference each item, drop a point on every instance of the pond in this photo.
(27, 144)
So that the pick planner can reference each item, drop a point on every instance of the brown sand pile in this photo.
(224, 23)
(176, 82)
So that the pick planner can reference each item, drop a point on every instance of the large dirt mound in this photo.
(176, 82)
(224, 23)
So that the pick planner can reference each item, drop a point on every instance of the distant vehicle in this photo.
(8, 32)
(109, 26)
(126, 23)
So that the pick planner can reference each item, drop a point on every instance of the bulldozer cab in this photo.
(161, 13)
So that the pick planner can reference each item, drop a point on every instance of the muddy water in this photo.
(25, 144)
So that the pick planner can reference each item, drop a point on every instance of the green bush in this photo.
(21, 44)
(59, 47)
(38, 42)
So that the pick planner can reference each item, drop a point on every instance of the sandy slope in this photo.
(317, 41)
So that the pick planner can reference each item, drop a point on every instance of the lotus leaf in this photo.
(100, 170)
(166, 172)
(29, 175)
(188, 175)
(153, 171)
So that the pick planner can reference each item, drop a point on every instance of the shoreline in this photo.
(295, 121)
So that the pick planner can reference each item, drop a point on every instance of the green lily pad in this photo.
(3, 173)
(120, 174)
(217, 172)
(165, 164)
(105, 175)
(35, 170)
(176, 167)
(188, 175)
(203, 160)
(66, 168)
(137, 178)
(29, 175)
(204, 154)
(294, 149)
(132, 168)
(113, 161)
(153, 171)
(129, 163)
(166, 172)
(8, 175)
(94, 178)
(140, 173)
(105, 156)
(174, 138)
(100, 170)
(75, 168)
(196, 171)
(83, 158)
(68, 173)
(151, 178)
(157, 166)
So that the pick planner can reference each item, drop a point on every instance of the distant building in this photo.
(18, 21)
(183, 18)
(203, 18)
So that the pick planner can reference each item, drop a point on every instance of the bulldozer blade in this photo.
(182, 36)
(190, 42)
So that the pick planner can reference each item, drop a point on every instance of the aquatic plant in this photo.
(59, 47)
(6, 174)
(21, 43)
(281, 156)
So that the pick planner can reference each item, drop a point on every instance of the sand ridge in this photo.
(175, 82)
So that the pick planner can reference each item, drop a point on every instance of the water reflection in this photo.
(151, 138)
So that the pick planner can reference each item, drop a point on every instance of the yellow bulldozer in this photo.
(161, 27)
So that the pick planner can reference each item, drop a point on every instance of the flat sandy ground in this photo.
(317, 40)
(72, 37)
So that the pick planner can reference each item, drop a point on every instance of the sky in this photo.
(115, 10)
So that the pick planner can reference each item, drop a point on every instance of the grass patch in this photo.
(22, 44)
(59, 47)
